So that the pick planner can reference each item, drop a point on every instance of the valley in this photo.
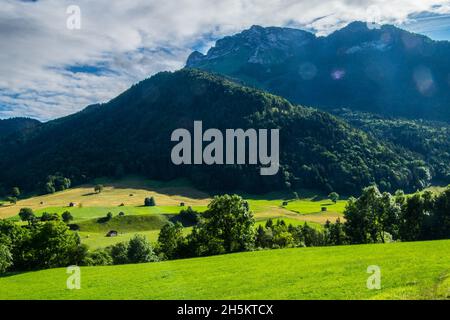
(127, 195)
(141, 196)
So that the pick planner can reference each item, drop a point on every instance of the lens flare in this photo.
(423, 78)
(338, 74)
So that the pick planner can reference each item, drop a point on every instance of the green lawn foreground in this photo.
(416, 270)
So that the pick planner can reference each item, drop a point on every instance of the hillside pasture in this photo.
(416, 270)
(127, 196)
(130, 191)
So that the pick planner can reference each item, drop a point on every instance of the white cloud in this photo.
(135, 39)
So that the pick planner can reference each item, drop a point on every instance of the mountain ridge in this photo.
(17, 124)
(384, 70)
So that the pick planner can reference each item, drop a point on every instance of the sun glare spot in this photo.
(423, 78)
(338, 74)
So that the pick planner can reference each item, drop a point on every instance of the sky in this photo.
(56, 59)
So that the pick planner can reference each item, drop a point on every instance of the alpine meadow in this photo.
(284, 158)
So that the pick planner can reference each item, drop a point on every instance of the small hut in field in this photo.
(112, 233)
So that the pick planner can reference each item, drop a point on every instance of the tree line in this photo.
(228, 226)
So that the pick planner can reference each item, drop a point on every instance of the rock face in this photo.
(256, 45)
(383, 70)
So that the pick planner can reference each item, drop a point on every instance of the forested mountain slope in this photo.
(131, 134)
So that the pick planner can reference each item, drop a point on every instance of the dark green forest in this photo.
(131, 134)
(428, 140)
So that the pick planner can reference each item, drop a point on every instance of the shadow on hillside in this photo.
(103, 220)
(319, 198)
(303, 194)
(11, 274)
(178, 187)
(185, 222)
(89, 194)
(326, 204)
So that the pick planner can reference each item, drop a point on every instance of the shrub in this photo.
(98, 188)
(6, 259)
(119, 253)
(49, 216)
(74, 227)
(15, 192)
(56, 183)
(140, 250)
(333, 196)
(283, 239)
(169, 240)
(49, 188)
(46, 245)
(27, 214)
(98, 258)
(150, 202)
(52, 245)
(189, 216)
(67, 216)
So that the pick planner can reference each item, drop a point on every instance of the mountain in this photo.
(385, 70)
(17, 125)
(132, 134)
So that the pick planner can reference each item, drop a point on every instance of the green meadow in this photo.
(86, 213)
(310, 206)
(416, 270)
(98, 240)
(127, 196)
(126, 223)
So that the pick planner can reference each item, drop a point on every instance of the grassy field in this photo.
(309, 206)
(130, 191)
(86, 213)
(98, 240)
(409, 270)
(419, 270)
(127, 195)
(308, 209)
(95, 238)
(126, 224)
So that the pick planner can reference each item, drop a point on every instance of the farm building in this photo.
(112, 233)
